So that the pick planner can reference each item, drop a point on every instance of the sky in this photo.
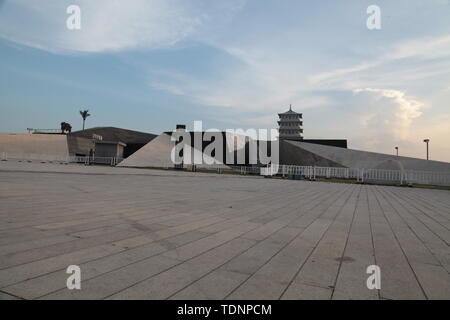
(148, 65)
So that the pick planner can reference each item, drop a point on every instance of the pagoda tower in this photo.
(290, 125)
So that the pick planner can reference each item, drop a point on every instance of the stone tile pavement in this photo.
(149, 234)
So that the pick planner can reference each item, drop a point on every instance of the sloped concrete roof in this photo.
(157, 154)
(293, 155)
(116, 134)
(370, 160)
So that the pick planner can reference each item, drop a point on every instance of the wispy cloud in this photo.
(269, 81)
(427, 48)
(268, 56)
(109, 25)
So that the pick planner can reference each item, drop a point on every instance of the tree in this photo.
(84, 115)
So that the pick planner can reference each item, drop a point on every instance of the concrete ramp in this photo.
(370, 160)
(38, 146)
(157, 154)
(291, 154)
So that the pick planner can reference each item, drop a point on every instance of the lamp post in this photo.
(396, 149)
(427, 141)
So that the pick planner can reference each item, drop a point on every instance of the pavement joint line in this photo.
(371, 236)
(186, 175)
(403, 229)
(133, 236)
(181, 262)
(422, 223)
(256, 242)
(325, 210)
(238, 254)
(312, 250)
(341, 260)
(439, 263)
(428, 200)
(401, 248)
(12, 295)
(126, 250)
(438, 260)
(397, 195)
(249, 249)
(124, 197)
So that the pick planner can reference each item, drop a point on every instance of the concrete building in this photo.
(306, 152)
(79, 146)
(133, 140)
(158, 152)
(290, 125)
(141, 149)
(99, 142)
(110, 149)
(44, 146)
(290, 128)
(41, 146)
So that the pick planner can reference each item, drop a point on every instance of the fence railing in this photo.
(32, 130)
(361, 175)
(297, 172)
(221, 168)
(96, 160)
(55, 158)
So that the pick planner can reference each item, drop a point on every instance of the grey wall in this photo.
(79, 145)
(105, 150)
(38, 144)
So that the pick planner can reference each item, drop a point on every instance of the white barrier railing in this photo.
(302, 172)
(221, 168)
(30, 157)
(361, 175)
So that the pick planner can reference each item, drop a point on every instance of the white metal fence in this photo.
(221, 168)
(4, 156)
(298, 172)
(362, 175)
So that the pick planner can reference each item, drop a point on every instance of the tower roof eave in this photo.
(290, 112)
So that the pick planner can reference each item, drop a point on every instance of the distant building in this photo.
(109, 149)
(290, 128)
(129, 140)
(290, 125)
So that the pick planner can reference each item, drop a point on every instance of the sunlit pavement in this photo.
(149, 234)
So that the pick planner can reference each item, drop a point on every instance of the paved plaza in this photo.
(150, 234)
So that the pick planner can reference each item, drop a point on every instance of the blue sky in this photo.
(150, 64)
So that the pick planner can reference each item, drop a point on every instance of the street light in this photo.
(427, 141)
(396, 149)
